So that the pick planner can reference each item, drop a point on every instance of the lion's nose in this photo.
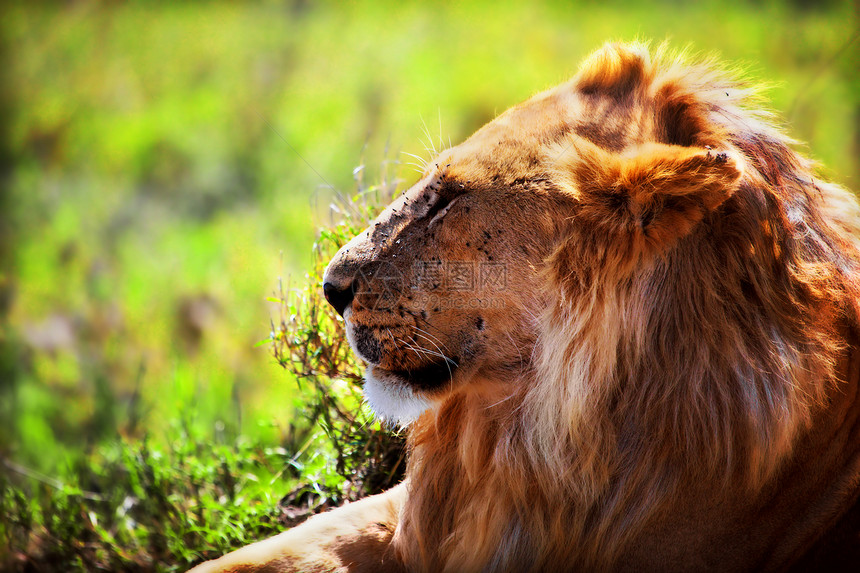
(338, 296)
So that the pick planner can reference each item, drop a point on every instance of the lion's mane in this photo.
(657, 370)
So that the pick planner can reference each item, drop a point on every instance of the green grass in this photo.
(150, 505)
(166, 501)
(167, 163)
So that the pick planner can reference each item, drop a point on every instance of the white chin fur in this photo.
(392, 401)
(389, 398)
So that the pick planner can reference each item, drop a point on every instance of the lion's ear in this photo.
(654, 193)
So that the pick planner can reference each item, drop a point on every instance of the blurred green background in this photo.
(154, 186)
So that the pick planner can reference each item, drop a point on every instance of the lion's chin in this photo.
(391, 398)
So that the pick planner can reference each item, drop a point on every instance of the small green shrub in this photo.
(166, 504)
(309, 341)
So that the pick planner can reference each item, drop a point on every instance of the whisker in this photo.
(426, 335)
(430, 340)
(429, 352)
(423, 162)
(429, 137)
(421, 351)
(505, 399)
(441, 140)
(517, 348)
(420, 167)
(416, 349)
(442, 355)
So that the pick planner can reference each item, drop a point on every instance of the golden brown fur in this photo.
(666, 378)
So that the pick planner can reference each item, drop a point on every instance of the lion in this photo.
(620, 323)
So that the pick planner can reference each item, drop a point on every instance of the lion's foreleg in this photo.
(355, 537)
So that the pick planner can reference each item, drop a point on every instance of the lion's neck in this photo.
(492, 471)
(488, 494)
(476, 487)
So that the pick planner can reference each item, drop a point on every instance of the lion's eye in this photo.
(440, 209)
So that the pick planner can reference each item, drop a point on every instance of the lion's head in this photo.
(443, 291)
(624, 292)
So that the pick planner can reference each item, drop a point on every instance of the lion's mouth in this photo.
(382, 359)
(428, 377)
